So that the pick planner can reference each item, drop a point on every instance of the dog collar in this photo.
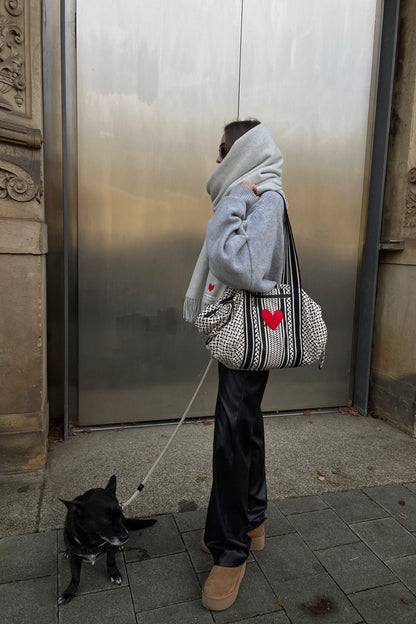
(78, 542)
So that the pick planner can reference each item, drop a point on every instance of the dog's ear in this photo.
(72, 505)
(112, 484)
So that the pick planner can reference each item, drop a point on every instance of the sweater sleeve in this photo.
(242, 237)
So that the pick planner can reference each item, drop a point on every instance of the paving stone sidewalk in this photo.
(338, 558)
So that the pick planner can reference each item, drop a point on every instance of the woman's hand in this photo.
(249, 185)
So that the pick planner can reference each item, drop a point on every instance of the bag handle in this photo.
(291, 277)
(291, 269)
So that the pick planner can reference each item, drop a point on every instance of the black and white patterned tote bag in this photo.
(282, 328)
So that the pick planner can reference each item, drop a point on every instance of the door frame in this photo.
(367, 285)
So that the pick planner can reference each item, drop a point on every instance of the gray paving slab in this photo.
(28, 556)
(303, 597)
(162, 581)
(276, 523)
(354, 506)
(301, 504)
(93, 577)
(398, 501)
(29, 602)
(386, 537)
(355, 567)
(201, 560)
(386, 605)
(191, 612)
(163, 561)
(191, 520)
(269, 618)
(162, 538)
(255, 597)
(405, 568)
(61, 541)
(287, 557)
(104, 607)
(322, 529)
(411, 486)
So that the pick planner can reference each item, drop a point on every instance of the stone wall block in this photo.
(23, 237)
(402, 142)
(22, 451)
(393, 374)
(22, 334)
(13, 423)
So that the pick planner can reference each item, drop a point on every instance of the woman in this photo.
(244, 248)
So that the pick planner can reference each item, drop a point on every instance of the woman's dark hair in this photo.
(236, 129)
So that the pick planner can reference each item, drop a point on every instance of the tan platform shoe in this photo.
(258, 536)
(221, 587)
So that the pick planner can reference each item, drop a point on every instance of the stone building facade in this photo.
(393, 374)
(23, 241)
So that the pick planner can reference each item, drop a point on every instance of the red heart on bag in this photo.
(272, 320)
(211, 287)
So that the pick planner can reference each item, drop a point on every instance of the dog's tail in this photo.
(133, 524)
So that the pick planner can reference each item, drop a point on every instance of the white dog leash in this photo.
(141, 486)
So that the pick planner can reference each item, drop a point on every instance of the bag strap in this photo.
(291, 269)
(291, 277)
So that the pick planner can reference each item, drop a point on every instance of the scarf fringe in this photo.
(191, 309)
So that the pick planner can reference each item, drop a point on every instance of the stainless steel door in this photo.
(308, 76)
(156, 82)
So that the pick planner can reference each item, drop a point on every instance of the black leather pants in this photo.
(238, 496)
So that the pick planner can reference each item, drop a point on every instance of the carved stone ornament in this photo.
(410, 215)
(17, 134)
(12, 56)
(16, 183)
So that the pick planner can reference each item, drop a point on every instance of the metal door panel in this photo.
(156, 80)
(309, 77)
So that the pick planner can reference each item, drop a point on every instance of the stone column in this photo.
(23, 241)
(393, 375)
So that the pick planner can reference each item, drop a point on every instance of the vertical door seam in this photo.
(239, 60)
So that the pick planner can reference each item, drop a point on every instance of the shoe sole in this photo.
(220, 604)
(257, 543)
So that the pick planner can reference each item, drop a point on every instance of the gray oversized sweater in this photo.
(245, 240)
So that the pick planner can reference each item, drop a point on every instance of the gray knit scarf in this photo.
(256, 158)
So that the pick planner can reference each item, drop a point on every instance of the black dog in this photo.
(95, 525)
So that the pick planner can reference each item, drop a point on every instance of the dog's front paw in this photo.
(116, 578)
(65, 598)
(69, 593)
